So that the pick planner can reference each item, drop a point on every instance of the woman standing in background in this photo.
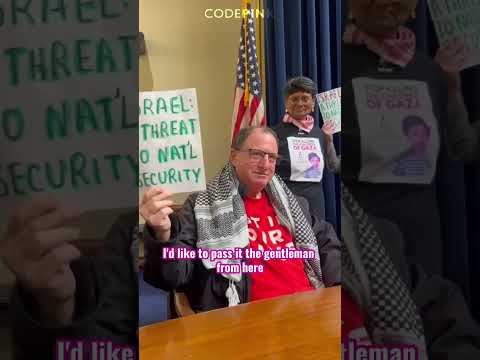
(304, 148)
(384, 82)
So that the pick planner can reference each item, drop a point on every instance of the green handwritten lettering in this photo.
(61, 10)
(85, 116)
(82, 8)
(77, 166)
(62, 173)
(81, 58)
(59, 60)
(13, 55)
(13, 124)
(161, 105)
(19, 9)
(105, 57)
(175, 105)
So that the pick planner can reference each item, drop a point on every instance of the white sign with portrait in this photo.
(306, 159)
(398, 131)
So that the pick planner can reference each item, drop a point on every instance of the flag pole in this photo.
(246, 96)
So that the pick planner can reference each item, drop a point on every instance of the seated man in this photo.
(63, 295)
(245, 206)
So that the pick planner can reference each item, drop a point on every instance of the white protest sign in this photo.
(330, 106)
(306, 159)
(399, 132)
(170, 144)
(458, 21)
(68, 109)
(69, 105)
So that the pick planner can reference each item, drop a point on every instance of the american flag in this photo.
(248, 106)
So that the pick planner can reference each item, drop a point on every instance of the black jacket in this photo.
(450, 330)
(204, 288)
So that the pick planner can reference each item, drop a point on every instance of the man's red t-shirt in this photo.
(353, 321)
(279, 276)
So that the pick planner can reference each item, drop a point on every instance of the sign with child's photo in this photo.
(330, 106)
(170, 145)
(398, 131)
(306, 159)
(458, 23)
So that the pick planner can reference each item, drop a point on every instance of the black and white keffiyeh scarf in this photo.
(369, 275)
(222, 223)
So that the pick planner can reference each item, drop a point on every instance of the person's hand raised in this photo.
(452, 57)
(155, 208)
(38, 248)
(328, 129)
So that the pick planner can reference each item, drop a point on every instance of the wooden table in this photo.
(301, 326)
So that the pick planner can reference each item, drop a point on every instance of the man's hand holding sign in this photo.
(155, 208)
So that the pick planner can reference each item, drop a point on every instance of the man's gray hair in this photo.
(244, 133)
(300, 83)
